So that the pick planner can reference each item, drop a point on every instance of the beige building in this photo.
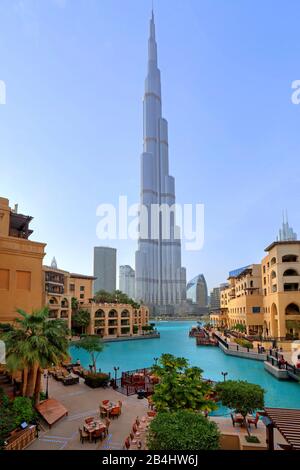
(21, 285)
(265, 297)
(115, 320)
(106, 320)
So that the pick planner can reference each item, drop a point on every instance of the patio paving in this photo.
(81, 402)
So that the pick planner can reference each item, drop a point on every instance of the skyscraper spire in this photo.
(160, 279)
(286, 233)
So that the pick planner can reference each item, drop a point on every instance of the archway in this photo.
(274, 321)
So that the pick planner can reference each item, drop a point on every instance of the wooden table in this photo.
(93, 426)
(108, 407)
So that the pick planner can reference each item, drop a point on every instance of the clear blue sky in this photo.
(71, 131)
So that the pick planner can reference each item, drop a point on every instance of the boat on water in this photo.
(194, 331)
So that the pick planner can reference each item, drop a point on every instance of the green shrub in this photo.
(183, 430)
(13, 413)
(244, 343)
(96, 380)
(23, 409)
(252, 439)
(43, 396)
(135, 329)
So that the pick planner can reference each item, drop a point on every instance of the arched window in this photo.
(290, 272)
(273, 261)
(125, 314)
(113, 314)
(53, 301)
(289, 258)
(292, 309)
(99, 314)
(273, 274)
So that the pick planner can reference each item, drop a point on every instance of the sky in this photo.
(71, 128)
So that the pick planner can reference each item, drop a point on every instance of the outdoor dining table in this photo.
(108, 407)
(93, 426)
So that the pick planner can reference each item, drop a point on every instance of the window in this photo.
(273, 274)
(255, 309)
(82, 296)
(273, 261)
(72, 287)
(265, 291)
(274, 288)
(82, 288)
(290, 272)
(265, 280)
(291, 286)
(24, 280)
(289, 258)
(4, 279)
(264, 269)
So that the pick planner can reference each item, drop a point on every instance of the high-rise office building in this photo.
(286, 233)
(196, 291)
(214, 303)
(105, 267)
(160, 278)
(127, 280)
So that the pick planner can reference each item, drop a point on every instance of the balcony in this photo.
(64, 314)
(112, 322)
(112, 331)
(53, 314)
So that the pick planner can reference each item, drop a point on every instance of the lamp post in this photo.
(116, 371)
(224, 375)
(155, 360)
(46, 377)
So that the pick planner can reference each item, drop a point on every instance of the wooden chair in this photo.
(103, 412)
(115, 412)
(236, 419)
(120, 404)
(253, 420)
(89, 420)
(134, 428)
(151, 413)
(83, 435)
(126, 443)
(98, 434)
(107, 424)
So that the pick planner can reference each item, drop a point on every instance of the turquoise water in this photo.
(174, 339)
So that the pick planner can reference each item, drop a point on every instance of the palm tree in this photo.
(35, 344)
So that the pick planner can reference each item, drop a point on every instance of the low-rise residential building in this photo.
(116, 320)
(265, 297)
(21, 260)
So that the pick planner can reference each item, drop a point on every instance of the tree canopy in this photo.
(241, 396)
(81, 319)
(116, 296)
(35, 344)
(180, 386)
(92, 345)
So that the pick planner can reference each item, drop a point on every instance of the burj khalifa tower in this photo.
(160, 278)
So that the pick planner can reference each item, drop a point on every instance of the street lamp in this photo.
(116, 371)
(46, 377)
(155, 360)
(224, 375)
